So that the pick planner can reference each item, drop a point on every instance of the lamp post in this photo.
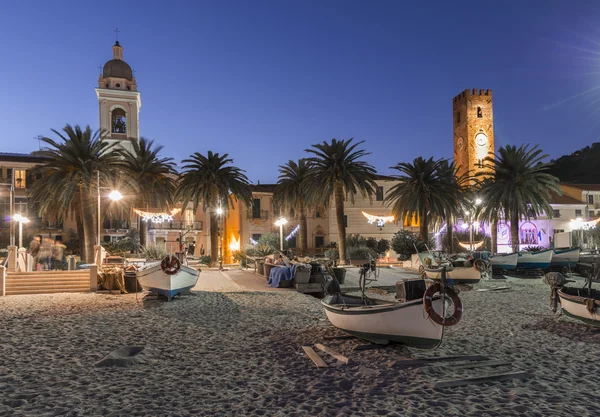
(113, 195)
(21, 219)
(11, 205)
(471, 223)
(280, 223)
(220, 213)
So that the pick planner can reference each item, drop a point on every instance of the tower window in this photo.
(118, 85)
(479, 113)
(379, 194)
(119, 121)
(457, 117)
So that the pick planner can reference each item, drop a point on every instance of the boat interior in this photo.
(581, 292)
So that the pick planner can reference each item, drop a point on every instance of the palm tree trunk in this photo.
(494, 234)
(302, 235)
(214, 237)
(424, 226)
(338, 192)
(514, 231)
(143, 232)
(89, 226)
(80, 233)
(450, 234)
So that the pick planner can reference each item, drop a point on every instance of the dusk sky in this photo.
(263, 80)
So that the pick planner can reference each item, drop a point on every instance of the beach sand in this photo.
(238, 354)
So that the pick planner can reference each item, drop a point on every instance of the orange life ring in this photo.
(170, 265)
(433, 315)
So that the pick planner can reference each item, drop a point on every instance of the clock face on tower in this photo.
(481, 139)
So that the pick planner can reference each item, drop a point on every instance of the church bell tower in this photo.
(119, 101)
(473, 130)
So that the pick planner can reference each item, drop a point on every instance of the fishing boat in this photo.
(413, 320)
(534, 260)
(504, 261)
(565, 257)
(167, 277)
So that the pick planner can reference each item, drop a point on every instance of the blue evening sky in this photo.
(263, 80)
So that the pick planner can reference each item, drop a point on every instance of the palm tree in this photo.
(291, 193)
(69, 173)
(519, 186)
(459, 185)
(335, 170)
(426, 189)
(154, 178)
(209, 181)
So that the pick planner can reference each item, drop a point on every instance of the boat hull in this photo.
(153, 279)
(405, 323)
(575, 305)
(566, 258)
(534, 260)
(458, 275)
(505, 261)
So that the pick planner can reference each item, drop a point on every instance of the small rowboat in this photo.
(581, 303)
(566, 257)
(535, 260)
(460, 275)
(152, 278)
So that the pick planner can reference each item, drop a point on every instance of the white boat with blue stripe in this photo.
(535, 260)
(566, 257)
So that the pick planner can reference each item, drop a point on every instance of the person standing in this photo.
(58, 253)
(46, 254)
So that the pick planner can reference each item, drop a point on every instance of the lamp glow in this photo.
(281, 222)
(219, 211)
(115, 195)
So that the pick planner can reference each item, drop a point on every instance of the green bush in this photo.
(153, 251)
(404, 242)
(269, 239)
(360, 252)
(205, 259)
(332, 254)
(240, 256)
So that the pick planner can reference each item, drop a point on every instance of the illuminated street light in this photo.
(280, 223)
(21, 219)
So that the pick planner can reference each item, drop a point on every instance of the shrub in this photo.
(205, 259)
(404, 242)
(271, 240)
(360, 252)
(153, 251)
(332, 254)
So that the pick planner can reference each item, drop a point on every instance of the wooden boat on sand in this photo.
(460, 275)
(565, 257)
(535, 260)
(417, 319)
(582, 304)
(504, 261)
(167, 278)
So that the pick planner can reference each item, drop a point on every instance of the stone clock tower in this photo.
(473, 130)
(119, 101)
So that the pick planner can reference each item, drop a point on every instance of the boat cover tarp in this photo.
(281, 273)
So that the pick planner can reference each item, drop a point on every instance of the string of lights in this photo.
(293, 233)
(157, 217)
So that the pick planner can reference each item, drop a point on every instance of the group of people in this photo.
(48, 254)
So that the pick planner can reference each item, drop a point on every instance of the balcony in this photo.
(255, 214)
(176, 225)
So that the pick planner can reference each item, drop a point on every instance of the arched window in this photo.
(119, 121)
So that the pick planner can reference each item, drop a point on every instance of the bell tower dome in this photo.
(119, 101)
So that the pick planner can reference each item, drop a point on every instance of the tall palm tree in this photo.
(209, 181)
(153, 176)
(426, 189)
(72, 163)
(459, 184)
(335, 170)
(520, 186)
(291, 193)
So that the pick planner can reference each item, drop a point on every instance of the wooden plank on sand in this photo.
(478, 364)
(418, 363)
(315, 358)
(333, 353)
(481, 379)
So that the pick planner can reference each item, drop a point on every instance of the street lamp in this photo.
(113, 195)
(220, 213)
(280, 223)
(21, 219)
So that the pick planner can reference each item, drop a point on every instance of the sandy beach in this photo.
(238, 354)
